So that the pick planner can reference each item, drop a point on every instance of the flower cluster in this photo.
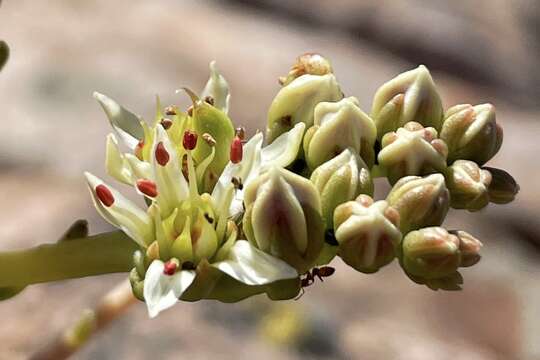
(227, 217)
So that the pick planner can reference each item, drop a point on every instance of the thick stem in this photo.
(90, 323)
(100, 254)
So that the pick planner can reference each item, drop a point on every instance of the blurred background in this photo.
(53, 130)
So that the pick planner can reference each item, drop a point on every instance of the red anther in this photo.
(190, 140)
(104, 195)
(138, 150)
(147, 187)
(170, 267)
(162, 156)
(236, 150)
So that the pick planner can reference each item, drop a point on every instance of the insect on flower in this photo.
(309, 277)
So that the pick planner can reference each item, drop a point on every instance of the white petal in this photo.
(126, 124)
(140, 169)
(124, 214)
(171, 185)
(252, 266)
(163, 291)
(218, 88)
(116, 163)
(246, 170)
(283, 151)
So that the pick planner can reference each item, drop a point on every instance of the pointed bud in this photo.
(503, 188)
(295, 102)
(471, 133)
(338, 126)
(420, 201)
(411, 96)
(468, 185)
(190, 140)
(367, 233)
(236, 150)
(283, 217)
(412, 150)
(469, 247)
(339, 180)
(104, 195)
(308, 63)
(431, 256)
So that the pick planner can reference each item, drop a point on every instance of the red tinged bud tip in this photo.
(104, 195)
(170, 267)
(147, 187)
(190, 140)
(236, 150)
(162, 156)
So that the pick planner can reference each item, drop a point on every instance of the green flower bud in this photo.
(412, 150)
(339, 180)
(308, 63)
(471, 133)
(338, 126)
(410, 96)
(469, 247)
(468, 185)
(503, 188)
(295, 102)
(283, 217)
(431, 256)
(367, 233)
(420, 201)
(207, 119)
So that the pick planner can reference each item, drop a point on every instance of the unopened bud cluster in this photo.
(229, 217)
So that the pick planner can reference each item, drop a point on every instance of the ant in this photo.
(320, 273)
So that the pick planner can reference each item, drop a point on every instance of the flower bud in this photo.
(469, 247)
(295, 102)
(338, 126)
(217, 89)
(367, 233)
(468, 185)
(503, 188)
(431, 256)
(339, 180)
(420, 201)
(471, 133)
(411, 96)
(412, 150)
(308, 63)
(283, 217)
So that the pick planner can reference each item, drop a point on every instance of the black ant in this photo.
(309, 279)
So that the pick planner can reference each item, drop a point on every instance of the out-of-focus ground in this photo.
(52, 130)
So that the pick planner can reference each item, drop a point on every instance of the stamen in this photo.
(190, 110)
(147, 187)
(138, 150)
(236, 150)
(104, 195)
(190, 140)
(170, 110)
(209, 100)
(170, 267)
(162, 156)
(166, 123)
(241, 133)
(209, 139)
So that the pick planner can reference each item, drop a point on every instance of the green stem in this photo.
(99, 254)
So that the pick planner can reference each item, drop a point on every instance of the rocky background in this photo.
(52, 130)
